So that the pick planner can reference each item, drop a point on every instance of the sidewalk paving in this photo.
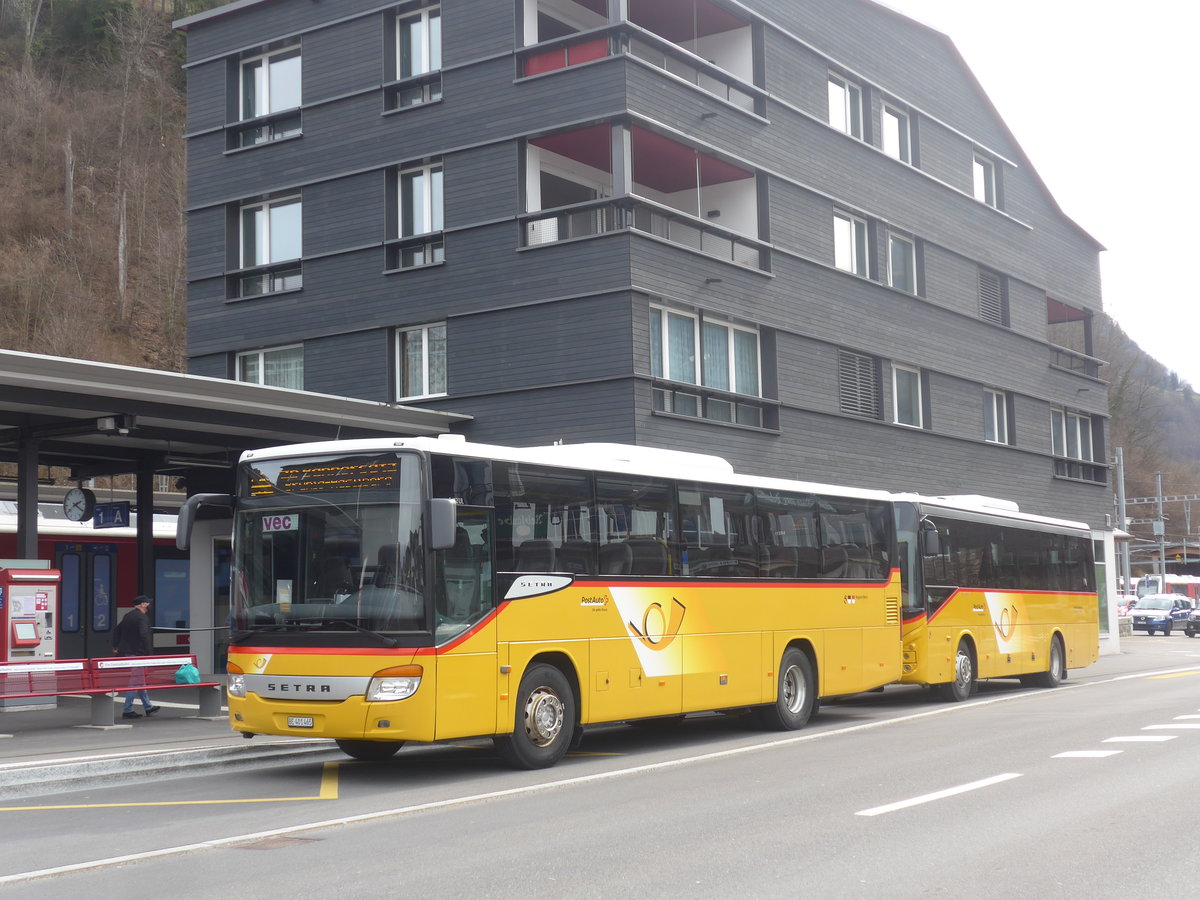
(48, 750)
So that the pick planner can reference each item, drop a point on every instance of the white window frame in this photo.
(983, 179)
(895, 239)
(995, 416)
(896, 133)
(661, 367)
(264, 74)
(260, 360)
(266, 252)
(915, 389)
(401, 361)
(851, 244)
(845, 105)
(427, 23)
(431, 200)
(1071, 435)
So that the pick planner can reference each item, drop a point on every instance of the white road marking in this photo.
(938, 795)
(1086, 754)
(1173, 726)
(1132, 738)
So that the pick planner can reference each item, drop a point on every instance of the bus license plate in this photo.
(300, 721)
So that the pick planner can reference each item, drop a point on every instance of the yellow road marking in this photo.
(1176, 675)
(329, 791)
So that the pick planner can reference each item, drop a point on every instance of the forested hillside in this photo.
(92, 180)
(92, 194)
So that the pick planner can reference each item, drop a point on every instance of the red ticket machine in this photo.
(28, 614)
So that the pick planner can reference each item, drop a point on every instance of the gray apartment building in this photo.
(793, 233)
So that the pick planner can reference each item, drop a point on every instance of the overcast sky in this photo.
(1103, 104)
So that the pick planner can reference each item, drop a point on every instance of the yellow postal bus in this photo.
(387, 591)
(990, 592)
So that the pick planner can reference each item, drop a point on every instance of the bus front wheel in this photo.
(544, 720)
(964, 676)
(370, 751)
(796, 697)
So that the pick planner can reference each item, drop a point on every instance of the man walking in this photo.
(132, 638)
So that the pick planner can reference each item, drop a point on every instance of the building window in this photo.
(269, 90)
(421, 354)
(270, 246)
(858, 384)
(897, 135)
(729, 361)
(906, 396)
(902, 263)
(418, 59)
(419, 220)
(995, 417)
(278, 367)
(845, 106)
(983, 175)
(850, 244)
(1071, 434)
(993, 297)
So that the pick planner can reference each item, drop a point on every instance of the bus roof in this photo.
(989, 506)
(624, 459)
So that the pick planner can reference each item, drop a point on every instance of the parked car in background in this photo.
(1192, 626)
(1160, 612)
(1125, 603)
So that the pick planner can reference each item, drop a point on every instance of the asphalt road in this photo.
(1015, 793)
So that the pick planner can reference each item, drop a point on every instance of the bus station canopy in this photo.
(100, 419)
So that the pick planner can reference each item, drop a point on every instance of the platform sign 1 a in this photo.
(111, 515)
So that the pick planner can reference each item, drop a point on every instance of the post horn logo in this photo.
(658, 628)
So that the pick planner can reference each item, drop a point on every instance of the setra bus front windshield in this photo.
(329, 544)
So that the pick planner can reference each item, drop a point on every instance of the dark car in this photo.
(1160, 612)
(1192, 626)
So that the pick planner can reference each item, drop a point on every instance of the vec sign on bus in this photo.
(284, 522)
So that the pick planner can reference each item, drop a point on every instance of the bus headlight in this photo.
(394, 684)
(237, 681)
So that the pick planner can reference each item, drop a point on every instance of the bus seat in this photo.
(649, 556)
(536, 555)
(460, 571)
(577, 557)
(833, 560)
(616, 559)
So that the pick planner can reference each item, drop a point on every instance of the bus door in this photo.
(89, 602)
(464, 630)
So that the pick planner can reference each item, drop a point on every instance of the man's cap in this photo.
(142, 598)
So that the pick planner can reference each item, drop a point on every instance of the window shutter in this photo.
(991, 297)
(858, 384)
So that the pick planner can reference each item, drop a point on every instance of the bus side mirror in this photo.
(930, 540)
(189, 512)
(442, 519)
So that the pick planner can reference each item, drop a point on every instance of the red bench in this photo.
(102, 678)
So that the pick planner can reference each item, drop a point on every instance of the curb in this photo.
(54, 776)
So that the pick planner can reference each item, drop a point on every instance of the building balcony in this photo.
(631, 214)
(1075, 361)
(694, 40)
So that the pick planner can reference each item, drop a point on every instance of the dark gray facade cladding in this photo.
(552, 342)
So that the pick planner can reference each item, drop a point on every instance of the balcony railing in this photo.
(614, 40)
(697, 401)
(1081, 470)
(602, 216)
(1074, 361)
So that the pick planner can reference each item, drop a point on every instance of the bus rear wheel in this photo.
(795, 699)
(964, 676)
(544, 720)
(1056, 671)
(370, 751)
